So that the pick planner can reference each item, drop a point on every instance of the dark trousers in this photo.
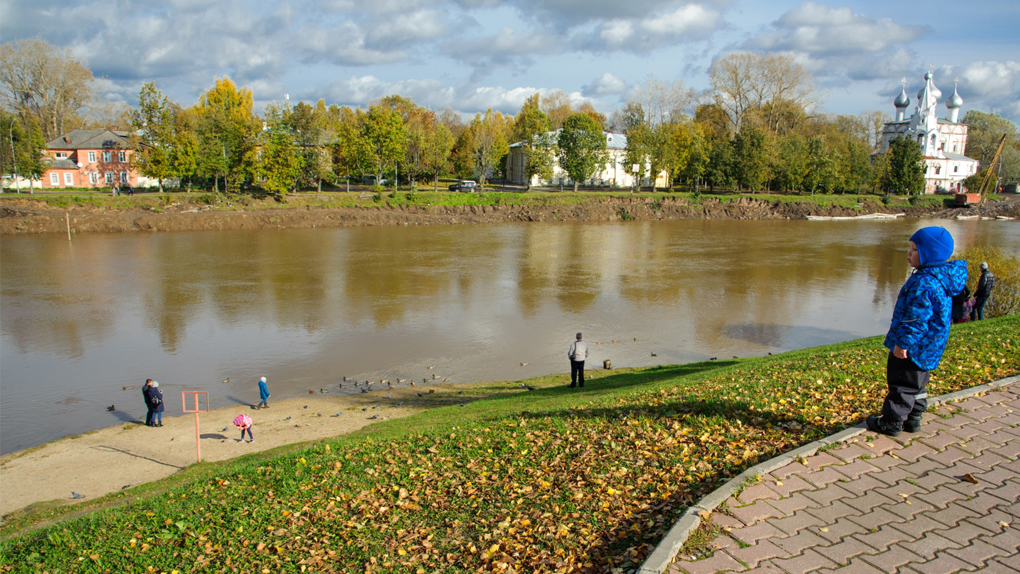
(577, 373)
(149, 415)
(978, 312)
(908, 397)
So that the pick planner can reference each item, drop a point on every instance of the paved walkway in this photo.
(939, 501)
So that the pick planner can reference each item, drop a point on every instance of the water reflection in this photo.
(306, 307)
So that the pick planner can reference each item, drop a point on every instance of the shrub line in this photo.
(665, 552)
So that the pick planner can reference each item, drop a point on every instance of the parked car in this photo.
(466, 185)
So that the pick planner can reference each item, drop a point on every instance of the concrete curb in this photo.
(661, 558)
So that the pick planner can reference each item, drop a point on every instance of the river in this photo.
(305, 308)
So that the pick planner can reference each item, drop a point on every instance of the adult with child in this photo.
(156, 397)
(984, 290)
(577, 353)
(920, 329)
(263, 393)
(962, 306)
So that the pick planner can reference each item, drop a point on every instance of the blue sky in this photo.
(470, 55)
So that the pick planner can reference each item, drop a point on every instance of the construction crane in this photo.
(966, 199)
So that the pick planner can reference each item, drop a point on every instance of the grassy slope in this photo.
(548, 480)
(424, 198)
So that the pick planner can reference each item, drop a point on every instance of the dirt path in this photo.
(109, 459)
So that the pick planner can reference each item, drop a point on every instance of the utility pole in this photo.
(14, 157)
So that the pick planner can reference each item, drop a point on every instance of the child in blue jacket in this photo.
(920, 328)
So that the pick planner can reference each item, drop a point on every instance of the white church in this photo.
(943, 141)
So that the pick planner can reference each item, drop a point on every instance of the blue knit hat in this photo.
(934, 245)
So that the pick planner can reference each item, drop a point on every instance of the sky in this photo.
(471, 55)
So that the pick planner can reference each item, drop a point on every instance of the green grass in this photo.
(542, 481)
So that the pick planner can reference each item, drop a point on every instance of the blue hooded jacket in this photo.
(922, 316)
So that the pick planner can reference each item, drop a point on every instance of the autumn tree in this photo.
(985, 131)
(352, 152)
(436, 152)
(556, 107)
(44, 84)
(21, 148)
(582, 145)
(313, 135)
(489, 141)
(751, 158)
(274, 162)
(226, 130)
(154, 121)
(905, 174)
(386, 138)
(662, 102)
(744, 82)
(531, 130)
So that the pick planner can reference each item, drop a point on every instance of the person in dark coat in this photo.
(961, 312)
(147, 396)
(156, 397)
(984, 290)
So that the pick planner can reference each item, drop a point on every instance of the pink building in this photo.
(90, 158)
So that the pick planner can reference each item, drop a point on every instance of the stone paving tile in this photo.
(952, 514)
(754, 555)
(919, 525)
(880, 445)
(827, 495)
(866, 483)
(940, 441)
(885, 537)
(723, 543)
(793, 469)
(868, 501)
(884, 462)
(981, 450)
(794, 545)
(1014, 466)
(931, 544)
(1009, 492)
(843, 551)
(963, 532)
(997, 477)
(876, 518)
(1001, 436)
(830, 513)
(977, 552)
(916, 450)
(942, 564)
(941, 498)
(990, 521)
(952, 454)
(842, 528)
(907, 509)
(809, 561)
(922, 466)
(1002, 566)
(766, 568)
(759, 531)
(754, 512)
(823, 477)
(856, 469)
(850, 452)
(756, 492)
(1008, 540)
(1008, 449)
(790, 505)
(717, 562)
(901, 489)
(966, 432)
(797, 522)
(792, 484)
(982, 503)
(819, 460)
(856, 566)
(990, 426)
(725, 521)
(892, 559)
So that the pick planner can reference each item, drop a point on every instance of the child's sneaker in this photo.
(912, 424)
(876, 424)
(252, 440)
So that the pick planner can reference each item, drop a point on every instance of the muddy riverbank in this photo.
(25, 216)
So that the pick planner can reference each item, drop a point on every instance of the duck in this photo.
(323, 391)
(111, 408)
(654, 355)
(432, 391)
(446, 380)
(226, 380)
(128, 387)
(524, 364)
(311, 392)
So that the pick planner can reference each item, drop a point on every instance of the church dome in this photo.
(954, 101)
(902, 100)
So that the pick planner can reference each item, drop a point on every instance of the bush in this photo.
(1005, 298)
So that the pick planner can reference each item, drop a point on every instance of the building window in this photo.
(106, 157)
(92, 157)
(956, 168)
(109, 177)
(93, 177)
(954, 148)
(68, 178)
(938, 169)
(123, 177)
(122, 156)
(54, 179)
(61, 155)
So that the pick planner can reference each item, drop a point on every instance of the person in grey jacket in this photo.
(577, 353)
(984, 290)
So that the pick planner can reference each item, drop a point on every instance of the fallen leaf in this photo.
(969, 478)
(823, 529)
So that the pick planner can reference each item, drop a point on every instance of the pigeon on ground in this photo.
(76, 496)
(111, 408)
(460, 392)
(420, 395)
(373, 417)
(529, 387)
(318, 414)
(432, 391)
(375, 407)
(288, 418)
(365, 409)
(712, 358)
(306, 406)
(463, 404)
(224, 429)
(400, 403)
(336, 415)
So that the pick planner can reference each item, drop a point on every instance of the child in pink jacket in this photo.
(243, 422)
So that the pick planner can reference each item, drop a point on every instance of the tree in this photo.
(662, 102)
(352, 151)
(274, 161)
(582, 148)
(384, 132)
(983, 138)
(531, 129)
(696, 155)
(227, 129)
(751, 158)
(313, 135)
(21, 148)
(556, 106)
(154, 121)
(791, 162)
(821, 173)
(436, 152)
(489, 143)
(45, 84)
(746, 82)
(905, 174)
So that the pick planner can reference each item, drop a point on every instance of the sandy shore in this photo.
(110, 459)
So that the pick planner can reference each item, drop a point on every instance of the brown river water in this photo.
(307, 307)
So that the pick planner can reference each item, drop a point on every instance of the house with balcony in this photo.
(98, 158)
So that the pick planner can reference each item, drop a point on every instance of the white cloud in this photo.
(690, 23)
(507, 49)
(986, 85)
(606, 85)
(341, 45)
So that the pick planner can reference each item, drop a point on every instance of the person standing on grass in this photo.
(263, 393)
(244, 423)
(984, 290)
(577, 353)
(920, 329)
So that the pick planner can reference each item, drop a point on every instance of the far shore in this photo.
(127, 454)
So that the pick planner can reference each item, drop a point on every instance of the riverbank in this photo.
(555, 479)
(92, 213)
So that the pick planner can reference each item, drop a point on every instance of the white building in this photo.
(943, 141)
(617, 172)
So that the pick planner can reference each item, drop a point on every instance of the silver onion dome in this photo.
(954, 101)
(902, 100)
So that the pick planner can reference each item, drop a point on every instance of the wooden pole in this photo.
(67, 219)
(198, 440)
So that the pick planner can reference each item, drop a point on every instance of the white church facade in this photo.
(943, 141)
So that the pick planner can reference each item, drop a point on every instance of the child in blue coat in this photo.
(263, 393)
(920, 328)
